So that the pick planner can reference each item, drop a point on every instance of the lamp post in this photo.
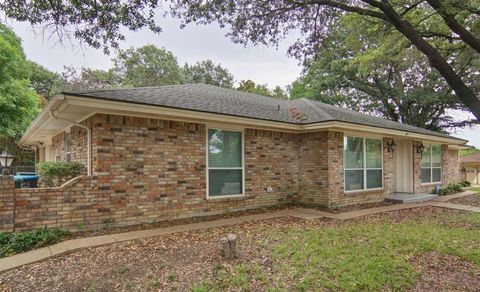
(6, 160)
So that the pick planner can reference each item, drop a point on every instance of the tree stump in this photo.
(229, 246)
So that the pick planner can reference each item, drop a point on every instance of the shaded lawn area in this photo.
(420, 249)
(359, 255)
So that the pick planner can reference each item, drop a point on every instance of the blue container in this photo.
(26, 179)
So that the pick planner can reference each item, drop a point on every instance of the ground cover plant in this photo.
(424, 248)
(18, 242)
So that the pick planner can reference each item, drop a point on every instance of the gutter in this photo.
(89, 139)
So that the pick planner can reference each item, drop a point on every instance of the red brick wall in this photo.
(7, 198)
(147, 169)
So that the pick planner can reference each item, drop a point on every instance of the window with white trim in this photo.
(68, 147)
(225, 163)
(432, 164)
(363, 163)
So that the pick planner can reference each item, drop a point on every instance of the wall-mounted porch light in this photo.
(6, 160)
(420, 148)
(391, 146)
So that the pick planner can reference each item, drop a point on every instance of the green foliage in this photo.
(147, 66)
(261, 89)
(45, 82)
(57, 173)
(451, 188)
(465, 184)
(17, 242)
(88, 79)
(208, 73)
(19, 104)
(364, 68)
(466, 152)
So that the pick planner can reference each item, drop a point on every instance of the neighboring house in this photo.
(198, 149)
(470, 166)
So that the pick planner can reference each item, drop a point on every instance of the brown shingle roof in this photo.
(213, 99)
(472, 158)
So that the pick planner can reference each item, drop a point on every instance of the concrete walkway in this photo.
(65, 247)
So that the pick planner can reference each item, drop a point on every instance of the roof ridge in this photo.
(316, 108)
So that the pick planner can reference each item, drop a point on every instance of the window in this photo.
(225, 163)
(68, 147)
(431, 164)
(363, 163)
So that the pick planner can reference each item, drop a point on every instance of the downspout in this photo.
(89, 139)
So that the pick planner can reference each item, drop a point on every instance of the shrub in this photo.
(449, 189)
(17, 242)
(54, 174)
(465, 183)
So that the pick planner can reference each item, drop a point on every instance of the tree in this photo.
(209, 73)
(384, 76)
(147, 66)
(444, 31)
(19, 103)
(88, 79)
(45, 82)
(262, 89)
(250, 86)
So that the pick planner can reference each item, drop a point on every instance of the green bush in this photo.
(17, 242)
(53, 174)
(465, 183)
(449, 189)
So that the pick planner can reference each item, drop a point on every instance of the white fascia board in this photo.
(158, 112)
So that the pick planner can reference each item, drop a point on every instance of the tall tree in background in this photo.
(19, 103)
(209, 73)
(378, 74)
(446, 32)
(45, 82)
(261, 89)
(88, 79)
(147, 66)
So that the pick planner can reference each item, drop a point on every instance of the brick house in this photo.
(184, 150)
(470, 167)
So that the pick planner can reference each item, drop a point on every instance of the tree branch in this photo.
(455, 26)
(436, 59)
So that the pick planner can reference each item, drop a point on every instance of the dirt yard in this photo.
(421, 249)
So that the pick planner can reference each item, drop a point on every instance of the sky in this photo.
(262, 64)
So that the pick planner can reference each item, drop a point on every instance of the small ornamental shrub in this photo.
(54, 174)
(452, 188)
(17, 242)
(465, 183)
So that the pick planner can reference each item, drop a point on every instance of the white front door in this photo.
(403, 166)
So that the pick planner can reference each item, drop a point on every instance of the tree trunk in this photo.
(437, 61)
(229, 246)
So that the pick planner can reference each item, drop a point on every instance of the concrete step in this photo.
(403, 198)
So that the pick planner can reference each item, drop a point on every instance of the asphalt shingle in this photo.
(213, 99)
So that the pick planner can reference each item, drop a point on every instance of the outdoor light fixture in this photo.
(420, 148)
(391, 146)
(6, 160)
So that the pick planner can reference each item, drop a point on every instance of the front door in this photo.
(404, 166)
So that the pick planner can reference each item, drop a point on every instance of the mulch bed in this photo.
(178, 261)
(445, 273)
(471, 200)
(174, 222)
